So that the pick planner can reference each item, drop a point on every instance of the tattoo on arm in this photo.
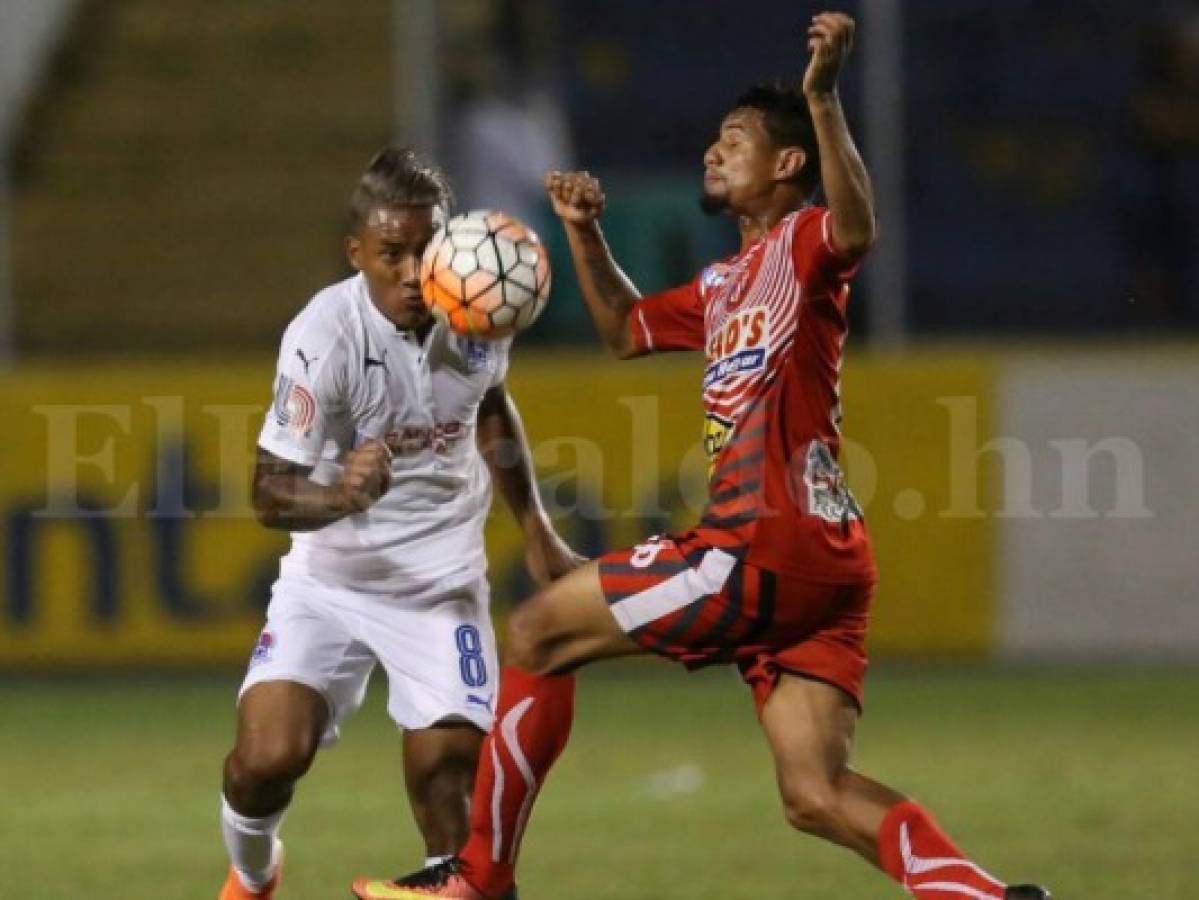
(611, 284)
(287, 499)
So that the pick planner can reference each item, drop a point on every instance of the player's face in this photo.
(387, 251)
(740, 167)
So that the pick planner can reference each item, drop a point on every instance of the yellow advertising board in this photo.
(127, 539)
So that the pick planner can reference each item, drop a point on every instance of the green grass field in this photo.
(1085, 779)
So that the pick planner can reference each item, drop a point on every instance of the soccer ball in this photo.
(486, 274)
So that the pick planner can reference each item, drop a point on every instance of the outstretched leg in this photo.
(561, 628)
(810, 725)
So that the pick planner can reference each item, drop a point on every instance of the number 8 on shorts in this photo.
(470, 662)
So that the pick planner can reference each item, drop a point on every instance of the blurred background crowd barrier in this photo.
(1023, 384)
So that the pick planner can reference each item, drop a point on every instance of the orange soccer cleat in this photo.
(233, 888)
(442, 880)
(455, 887)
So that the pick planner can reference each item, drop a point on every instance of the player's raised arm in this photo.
(609, 294)
(846, 183)
(286, 498)
(503, 445)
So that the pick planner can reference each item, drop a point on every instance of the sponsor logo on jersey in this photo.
(739, 346)
(714, 276)
(828, 494)
(295, 407)
(478, 355)
(264, 649)
(716, 435)
(441, 438)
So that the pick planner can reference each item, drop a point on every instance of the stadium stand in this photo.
(264, 108)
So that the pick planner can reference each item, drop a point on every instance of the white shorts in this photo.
(438, 652)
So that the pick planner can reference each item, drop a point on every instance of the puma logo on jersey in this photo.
(305, 360)
(739, 346)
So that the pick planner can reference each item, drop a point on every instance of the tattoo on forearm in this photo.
(274, 466)
(609, 283)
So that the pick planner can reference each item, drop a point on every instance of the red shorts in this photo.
(702, 606)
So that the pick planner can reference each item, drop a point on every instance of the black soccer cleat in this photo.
(437, 874)
(1027, 892)
(430, 876)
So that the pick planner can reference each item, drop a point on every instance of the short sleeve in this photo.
(309, 390)
(670, 320)
(817, 259)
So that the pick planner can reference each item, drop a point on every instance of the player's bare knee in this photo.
(530, 641)
(268, 762)
(811, 807)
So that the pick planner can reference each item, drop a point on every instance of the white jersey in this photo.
(347, 374)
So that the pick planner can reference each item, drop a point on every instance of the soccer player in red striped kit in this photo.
(778, 575)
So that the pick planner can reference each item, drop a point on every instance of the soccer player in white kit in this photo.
(375, 455)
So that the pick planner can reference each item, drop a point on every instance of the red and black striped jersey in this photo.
(772, 323)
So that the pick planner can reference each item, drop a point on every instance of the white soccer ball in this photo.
(486, 274)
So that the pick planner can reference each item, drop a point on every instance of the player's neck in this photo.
(754, 228)
(420, 331)
(757, 224)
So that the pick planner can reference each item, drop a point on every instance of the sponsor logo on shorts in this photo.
(264, 649)
(643, 555)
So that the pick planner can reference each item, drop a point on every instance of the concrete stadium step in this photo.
(197, 164)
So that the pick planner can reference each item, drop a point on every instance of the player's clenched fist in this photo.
(576, 196)
(830, 38)
(366, 475)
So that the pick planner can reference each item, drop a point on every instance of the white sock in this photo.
(431, 861)
(253, 844)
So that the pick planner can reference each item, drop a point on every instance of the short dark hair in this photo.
(788, 121)
(398, 177)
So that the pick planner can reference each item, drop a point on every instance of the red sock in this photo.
(919, 855)
(532, 723)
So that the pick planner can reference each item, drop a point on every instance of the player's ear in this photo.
(789, 162)
(354, 251)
